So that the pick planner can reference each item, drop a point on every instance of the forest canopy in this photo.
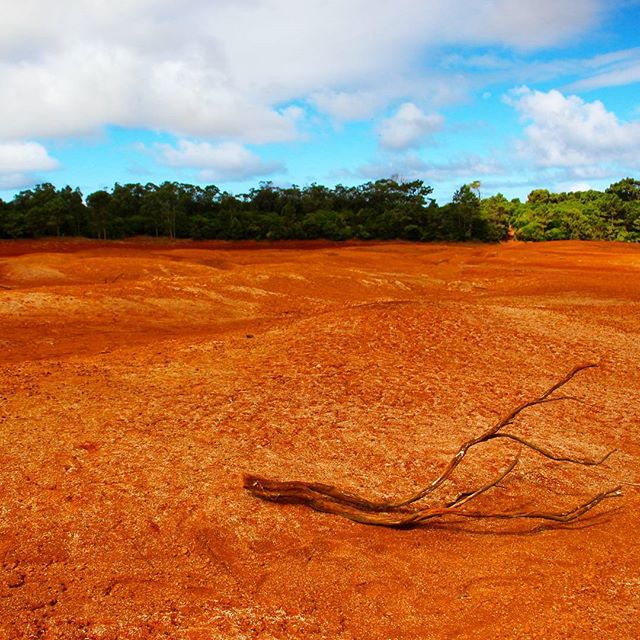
(381, 210)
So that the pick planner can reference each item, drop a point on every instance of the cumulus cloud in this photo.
(226, 161)
(25, 156)
(79, 91)
(408, 127)
(19, 161)
(567, 131)
(225, 69)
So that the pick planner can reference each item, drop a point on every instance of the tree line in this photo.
(381, 210)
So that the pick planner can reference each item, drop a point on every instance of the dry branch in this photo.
(395, 513)
(587, 462)
(467, 496)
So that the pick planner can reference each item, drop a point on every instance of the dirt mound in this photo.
(141, 379)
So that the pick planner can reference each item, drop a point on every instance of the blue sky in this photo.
(517, 94)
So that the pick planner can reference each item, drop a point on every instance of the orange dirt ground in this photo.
(140, 379)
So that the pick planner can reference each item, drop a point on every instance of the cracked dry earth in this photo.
(139, 380)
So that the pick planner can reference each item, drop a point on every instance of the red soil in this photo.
(139, 380)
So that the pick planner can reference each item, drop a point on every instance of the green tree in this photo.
(99, 209)
(325, 224)
(496, 211)
(44, 210)
(627, 189)
(465, 207)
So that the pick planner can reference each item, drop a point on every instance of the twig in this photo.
(587, 462)
(468, 496)
(566, 516)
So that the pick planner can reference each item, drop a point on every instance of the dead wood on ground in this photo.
(399, 513)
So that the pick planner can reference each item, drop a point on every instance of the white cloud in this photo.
(25, 156)
(486, 61)
(19, 161)
(79, 91)
(525, 24)
(615, 68)
(223, 69)
(566, 131)
(412, 167)
(13, 181)
(621, 74)
(349, 105)
(227, 161)
(590, 172)
(408, 127)
(363, 104)
(573, 186)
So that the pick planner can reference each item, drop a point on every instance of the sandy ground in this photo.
(140, 380)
